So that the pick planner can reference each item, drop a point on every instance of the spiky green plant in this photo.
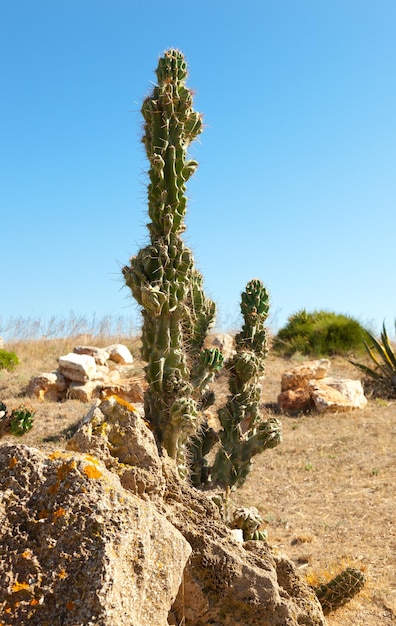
(244, 433)
(249, 520)
(384, 357)
(340, 589)
(16, 423)
(162, 277)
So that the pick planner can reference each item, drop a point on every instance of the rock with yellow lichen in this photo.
(77, 548)
(107, 533)
(115, 431)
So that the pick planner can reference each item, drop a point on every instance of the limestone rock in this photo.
(78, 549)
(119, 353)
(83, 545)
(116, 433)
(295, 400)
(84, 392)
(99, 354)
(78, 367)
(299, 376)
(308, 387)
(51, 386)
(229, 583)
(90, 372)
(130, 392)
(333, 394)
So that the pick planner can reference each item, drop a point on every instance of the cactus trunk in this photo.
(162, 276)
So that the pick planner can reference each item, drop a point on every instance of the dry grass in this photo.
(327, 493)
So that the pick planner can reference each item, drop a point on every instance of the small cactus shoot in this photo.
(340, 589)
(244, 433)
(16, 423)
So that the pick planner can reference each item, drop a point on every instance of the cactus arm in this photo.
(340, 589)
(244, 434)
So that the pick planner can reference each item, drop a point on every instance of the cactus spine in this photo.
(243, 432)
(162, 277)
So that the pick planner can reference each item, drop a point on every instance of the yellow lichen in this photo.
(12, 462)
(17, 586)
(70, 605)
(27, 554)
(59, 454)
(92, 472)
(59, 513)
(92, 459)
(124, 403)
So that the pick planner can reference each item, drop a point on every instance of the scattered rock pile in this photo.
(89, 372)
(308, 386)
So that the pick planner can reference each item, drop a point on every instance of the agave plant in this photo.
(383, 355)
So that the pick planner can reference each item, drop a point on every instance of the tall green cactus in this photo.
(244, 434)
(162, 277)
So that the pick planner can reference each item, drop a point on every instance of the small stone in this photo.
(337, 394)
(78, 367)
(223, 341)
(51, 386)
(299, 376)
(295, 400)
(119, 353)
(99, 354)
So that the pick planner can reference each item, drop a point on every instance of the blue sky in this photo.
(296, 181)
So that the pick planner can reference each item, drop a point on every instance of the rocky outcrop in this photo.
(116, 432)
(229, 583)
(106, 533)
(308, 387)
(88, 373)
(79, 549)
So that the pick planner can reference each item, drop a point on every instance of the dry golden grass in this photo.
(327, 493)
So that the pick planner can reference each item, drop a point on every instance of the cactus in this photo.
(249, 520)
(177, 314)
(244, 433)
(162, 276)
(18, 422)
(340, 589)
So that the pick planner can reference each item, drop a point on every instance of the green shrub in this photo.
(8, 360)
(320, 333)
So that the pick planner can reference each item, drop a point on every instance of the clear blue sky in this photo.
(296, 183)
